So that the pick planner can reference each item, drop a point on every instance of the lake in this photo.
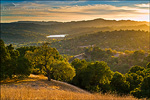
(55, 36)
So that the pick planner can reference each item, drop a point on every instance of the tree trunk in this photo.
(48, 75)
(48, 72)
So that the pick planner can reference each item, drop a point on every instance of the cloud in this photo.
(143, 5)
(49, 12)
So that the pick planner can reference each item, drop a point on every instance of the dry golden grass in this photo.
(38, 88)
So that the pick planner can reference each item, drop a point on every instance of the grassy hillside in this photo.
(37, 87)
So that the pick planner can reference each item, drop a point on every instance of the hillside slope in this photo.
(40, 81)
(37, 87)
(118, 40)
(30, 31)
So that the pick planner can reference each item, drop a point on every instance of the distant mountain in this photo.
(35, 31)
(39, 22)
(91, 23)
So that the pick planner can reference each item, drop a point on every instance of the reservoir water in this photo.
(55, 36)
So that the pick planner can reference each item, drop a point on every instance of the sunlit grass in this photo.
(38, 88)
(26, 93)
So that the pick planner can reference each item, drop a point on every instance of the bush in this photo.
(63, 71)
(137, 93)
(119, 84)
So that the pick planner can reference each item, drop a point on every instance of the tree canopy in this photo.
(48, 58)
(11, 62)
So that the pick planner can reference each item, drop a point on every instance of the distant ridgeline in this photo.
(118, 35)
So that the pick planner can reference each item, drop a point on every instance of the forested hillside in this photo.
(32, 31)
(117, 61)
(117, 40)
(92, 73)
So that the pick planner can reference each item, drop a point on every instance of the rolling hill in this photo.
(117, 40)
(37, 87)
(36, 31)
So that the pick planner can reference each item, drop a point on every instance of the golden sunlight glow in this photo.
(74, 13)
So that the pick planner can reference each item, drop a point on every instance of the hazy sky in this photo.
(74, 10)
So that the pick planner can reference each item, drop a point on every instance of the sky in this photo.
(65, 11)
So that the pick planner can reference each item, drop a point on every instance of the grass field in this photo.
(38, 88)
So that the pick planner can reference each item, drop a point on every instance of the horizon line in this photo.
(73, 20)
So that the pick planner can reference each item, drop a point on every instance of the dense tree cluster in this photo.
(118, 61)
(97, 77)
(11, 62)
(91, 76)
(37, 60)
(49, 61)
